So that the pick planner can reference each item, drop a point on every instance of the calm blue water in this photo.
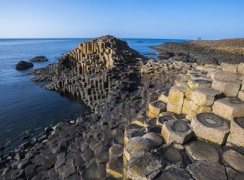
(25, 105)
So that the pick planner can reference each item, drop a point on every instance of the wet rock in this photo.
(23, 65)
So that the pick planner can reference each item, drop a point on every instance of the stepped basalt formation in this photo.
(96, 70)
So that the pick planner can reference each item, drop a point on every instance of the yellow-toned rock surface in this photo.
(188, 106)
(236, 135)
(163, 97)
(176, 98)
(114, 167)
(220, 75)
(230, 89)
(199, 83)
(204, 96)
(241, 95)
(156, 107)
(229, 67)
(176, 131)
(229, 108)
(241, 68)
(210, 127)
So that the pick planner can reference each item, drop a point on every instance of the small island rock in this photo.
(23, 65)
(38, 59)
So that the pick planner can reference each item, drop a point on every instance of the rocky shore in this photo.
(216, 51)
(151, 119)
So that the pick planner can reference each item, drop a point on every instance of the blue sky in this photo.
(170, 19)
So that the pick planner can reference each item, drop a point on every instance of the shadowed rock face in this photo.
(95, 71)
(23, 65)
(227, 50)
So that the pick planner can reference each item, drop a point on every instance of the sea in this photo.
(25, 107)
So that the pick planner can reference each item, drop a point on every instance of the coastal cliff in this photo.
(185, 121)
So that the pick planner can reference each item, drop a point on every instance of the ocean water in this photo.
(25, 107)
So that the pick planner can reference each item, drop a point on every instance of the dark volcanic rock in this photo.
(38, 59)
(23, 65)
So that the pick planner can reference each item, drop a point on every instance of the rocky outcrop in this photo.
(97, 70)
(38, 59)
(23, 65)
(228, 50)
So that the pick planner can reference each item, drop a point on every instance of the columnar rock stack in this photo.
(93, 69)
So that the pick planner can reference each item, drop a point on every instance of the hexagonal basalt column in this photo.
(210, 127)
(176, 98)
(156, 107)
(177, 131)
(140, 120)
(229, 67)
(147, 167)
(165, 117)
(229, 108)
(204, 96)
(237, 132)
(136, 147)
(114, 167)
(199, 83)
(230, 89)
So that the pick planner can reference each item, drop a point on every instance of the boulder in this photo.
(210, 127)
(23, 65)
(38, 59)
